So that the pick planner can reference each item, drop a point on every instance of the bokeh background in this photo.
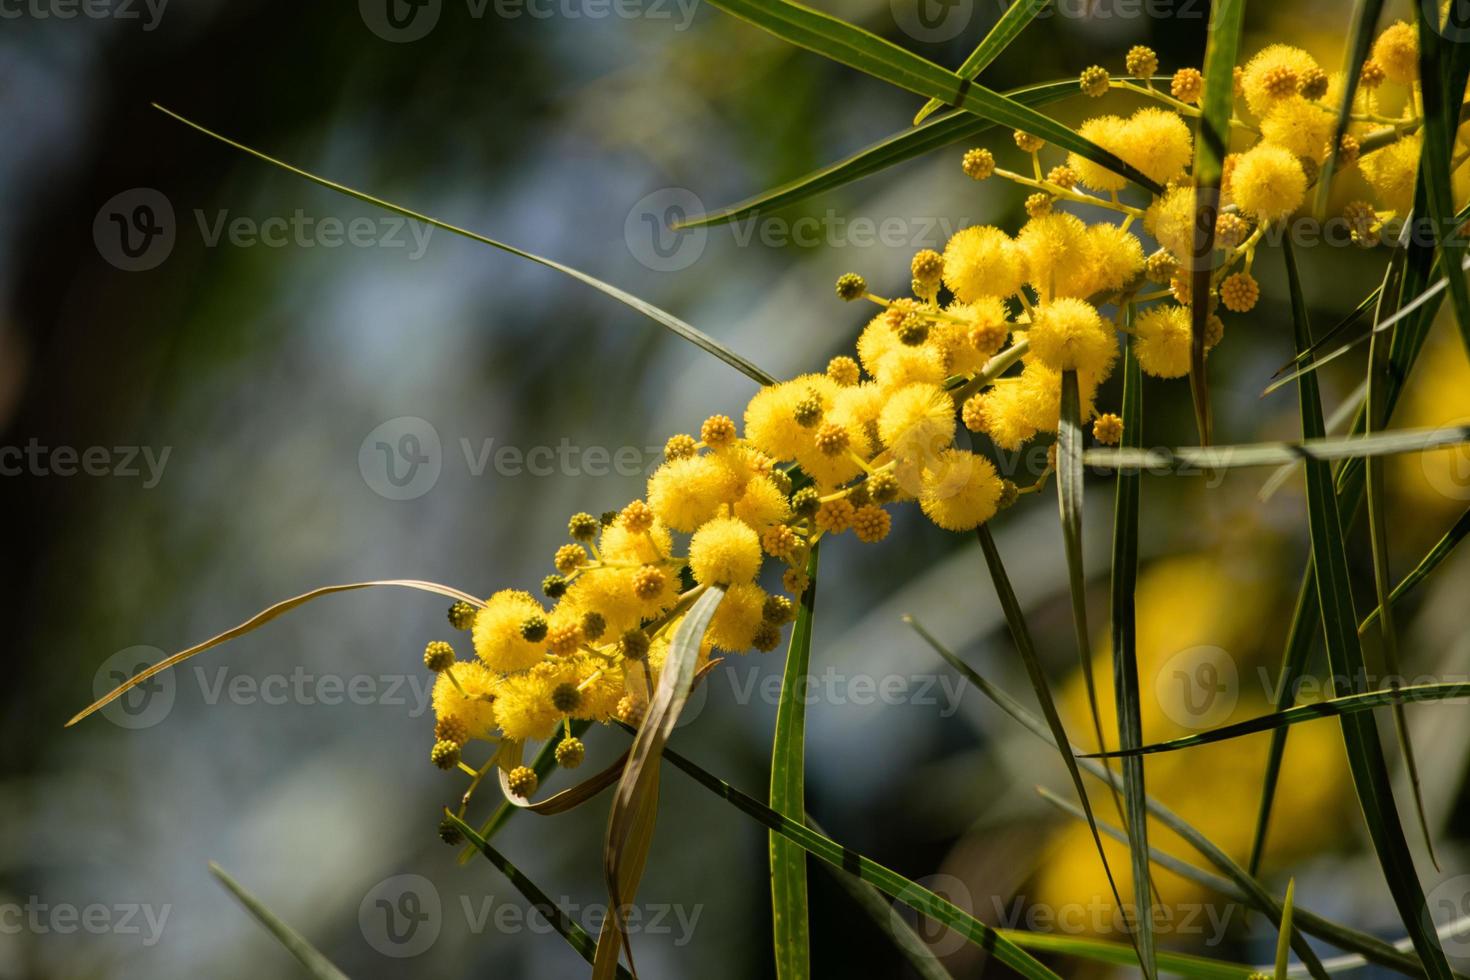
(229, 390)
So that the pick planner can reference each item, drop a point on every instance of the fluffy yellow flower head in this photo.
(917, 422)
(961, 490)
(724, 551)
(1157, 142)
(737, 617)
(1114, 258)
(999, 412)
(1268, 182)
(1263, 75)
(1069, 335)
(609, 593)
(1055, 247)
(525, 708)
(981, 261)
(762, 504)
(1392, 172)
(1397, 53)
(770, 418)
(1110, 133)
(621, 544)
(685, 493)
(909, 365)
(1300, 127)
(1163, 341)
(497, 633)
(1039, 395)
(1171, 221)
(475, 708)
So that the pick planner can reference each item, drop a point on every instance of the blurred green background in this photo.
(233, 360)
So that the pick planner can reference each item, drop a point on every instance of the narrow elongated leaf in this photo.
(259, 620)
(659, 316)
(1201, 459)
(1371, 948)
(1125, 653)
(1347, 704)
(1070, 444)
(543, 764)
(1211, 144)
(630, 823)
(306, 954)
(1429, 563)
(1258, 895)
(788, 793)
(1360, 41)
(1443, 70)
(1345, 657)
(867, 52)
(1021, 636)
(889, 882)
(1117, 954)
(1007, 29)
(565, 926)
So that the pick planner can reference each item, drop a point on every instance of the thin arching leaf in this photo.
(1202, 459)
(1006, 30)
(1443, 70)
(1429, 563)
(306, 954)
(1359, 42)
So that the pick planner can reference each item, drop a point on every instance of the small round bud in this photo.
(522, 781)
(1161, 267)
(1311, 168)
(593, 626)
(462, 615)
(1239, 293)
(794, 580)
(635, 644)
(851, 286)
(718, 431)
(445, 754)
(570, 752)
(779, 541)
(972, 413)
(978, 164)
(808, 411)
(1230, 230)
(1108, 429)
(1362, 221)
(1095, 81)
(1314, 83)
(1063, 177)
(630, 710)
(832, 439)
(1373, 74)
(767, 637)
(882, 487)
(438, 655)
(844, 371)
(1009, 494)
(858, 493)
(1348, 150)
(636, 517)
(679, 446)
(1281, 82)
(1187, 85)
(1026, 142)
(1141, 61)
(912, 330)
(778, 609)
(806, 501)
(534, 628)
(566, 698)
(449, 833)
(871, 523)
(554, 586)
(927, 266)
(569, 558)
(648, 582)
(608, 518)
(1214, 332)
(564, 639)
(451, 729)
(582, 527)
(1038, 205)
(782, 480)
(835, 516)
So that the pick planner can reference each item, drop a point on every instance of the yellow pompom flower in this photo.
(770, 418)
(830, 460)
(621, 544)
(497, 632)
(1000, 413)
(1268, 182)
(917, 422)
(1262, 78)
(1397, 53)
(474, 708)
(909, 365)
(1392, 172)
(981, 261)
(1110, 133)
(1039, 395)
(685, 493)
(762, 504)
(1069, 335)
(525, 708)
(1158, 142)
(1300, 127)
(1055, 249)
(725, 551)
(960, 491)
(1114, 258)
(1171, 221)
(1162, 341)
(609, 593)
(737, 617)
(876, 342)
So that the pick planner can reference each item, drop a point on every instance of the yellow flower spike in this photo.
(1392, 172)
(1170, 219)
(1268, 182)
(1055, 249)
(1069, 335)
(762, 504)
(960, 491)
(1157, 142)
(1114, 258)
(1163, 341)
(1397, 52)
(497, 634)
(980, 261)
(724, 551)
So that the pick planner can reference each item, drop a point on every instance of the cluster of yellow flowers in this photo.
(826, 453)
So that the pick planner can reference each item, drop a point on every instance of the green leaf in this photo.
(1007, 29)
(307, 955)
(635, 801)
(884, 60)
(1345, 658)
(1429, 563)
(1360, 41)
(661, 317)
(889, 882)
(788, 794)
(1101, 951)
(1070, 444)
(544, 764)
(1443, 69)
(565, 926)
(1125, 652)
(1211, 144)
(940, 131)
(1347, 704)
(1200, 459)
